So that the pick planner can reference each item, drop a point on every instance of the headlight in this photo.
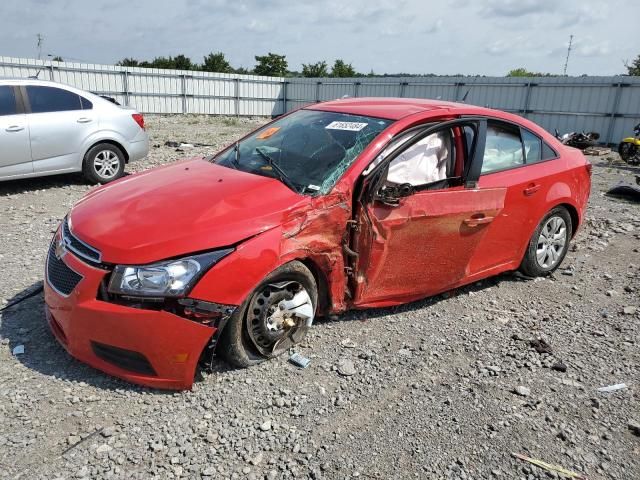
(173, 278)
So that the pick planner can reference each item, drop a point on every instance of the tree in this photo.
(128, 62)
(216, 62)
(58, 58)
(523, 72)
(634, 67)
(342, 69)
(271, 65)
(182, 62)
(318, 69)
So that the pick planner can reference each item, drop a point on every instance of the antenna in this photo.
(566, 62)
(39, 45)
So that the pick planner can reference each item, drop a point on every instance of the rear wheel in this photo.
(629, 153)
(549, 244)
(276, 316)
(103, 163)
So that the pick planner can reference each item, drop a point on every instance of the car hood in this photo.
(186, 207)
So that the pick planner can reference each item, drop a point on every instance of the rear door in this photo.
(15, 153)
(419, 240)
(521, 162)
(58, 126)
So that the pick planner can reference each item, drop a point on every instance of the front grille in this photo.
(60, 277)
(125, 359)
(77, 246)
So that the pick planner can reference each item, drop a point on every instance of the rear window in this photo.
(7, 100)
(51, 99)
(86, 104)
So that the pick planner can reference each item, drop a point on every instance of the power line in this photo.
(566, 62)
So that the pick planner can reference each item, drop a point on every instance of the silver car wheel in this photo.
(106, 164)
(551, 242)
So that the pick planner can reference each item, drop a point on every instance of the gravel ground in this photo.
(447, 387)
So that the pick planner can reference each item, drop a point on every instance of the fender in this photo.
(633, 140)
(101, 136)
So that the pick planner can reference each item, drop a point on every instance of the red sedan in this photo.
(352, 203)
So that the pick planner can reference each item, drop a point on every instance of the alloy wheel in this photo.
(551, 242)
(106, 164)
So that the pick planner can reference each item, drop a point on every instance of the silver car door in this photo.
(58, 128)
(15, 153)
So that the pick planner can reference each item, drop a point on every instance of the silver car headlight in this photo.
(173, 278)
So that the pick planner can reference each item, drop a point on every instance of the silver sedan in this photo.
(48, 128)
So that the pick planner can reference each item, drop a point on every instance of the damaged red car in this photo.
(346, 204)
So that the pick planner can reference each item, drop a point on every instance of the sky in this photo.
(485, 37)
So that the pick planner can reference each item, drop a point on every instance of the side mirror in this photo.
(391, 194)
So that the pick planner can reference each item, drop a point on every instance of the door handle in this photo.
(84, 120)
(478, 219)
(531, 189)
(14, 128)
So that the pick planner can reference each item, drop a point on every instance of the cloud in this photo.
(517, 8)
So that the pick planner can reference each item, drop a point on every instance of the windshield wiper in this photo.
(281, 174)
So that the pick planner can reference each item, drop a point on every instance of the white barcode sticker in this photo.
(351, 126)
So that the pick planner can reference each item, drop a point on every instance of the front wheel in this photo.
(103, 163)
(549, 244)
(275, 316)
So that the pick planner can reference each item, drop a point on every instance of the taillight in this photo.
(139, 119)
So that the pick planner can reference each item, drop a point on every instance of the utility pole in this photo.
(39, 45)
(566, 62)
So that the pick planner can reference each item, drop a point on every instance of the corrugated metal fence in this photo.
(609, 105)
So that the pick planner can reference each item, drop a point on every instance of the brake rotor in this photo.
(279, 317)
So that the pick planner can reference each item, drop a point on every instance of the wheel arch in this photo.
(108, 141)
(573, 213)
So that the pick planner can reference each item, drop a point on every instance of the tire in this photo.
(103, 163)
(629, 153)
(249, 337)
(539, 262)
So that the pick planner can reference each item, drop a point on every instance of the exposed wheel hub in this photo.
(279, 316)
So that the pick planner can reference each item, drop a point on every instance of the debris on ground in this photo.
(597, 151)
(522, 391)
(559, 366)
(613, 388)
(549, 467)
(634, 427)
(18, 350)
(346, 368)
(626, 191)
(541, 346)
(299, 360)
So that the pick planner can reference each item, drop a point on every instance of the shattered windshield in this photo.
(308, 150)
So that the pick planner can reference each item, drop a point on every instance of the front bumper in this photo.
(146, 347)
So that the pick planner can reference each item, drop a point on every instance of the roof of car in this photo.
(384, 107)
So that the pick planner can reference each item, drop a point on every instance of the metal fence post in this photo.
(183, 87)
(284, 96)
(318, 92)
(125, 86)
(403, 86)
(614, 110)
(50, 68)
(356, 88)
(527, 98)
(459, 86)
(237, 99)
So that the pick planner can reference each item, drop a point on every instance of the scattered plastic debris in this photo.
(613, 388)
(299, 360)
(18, 350)
(550, 468)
